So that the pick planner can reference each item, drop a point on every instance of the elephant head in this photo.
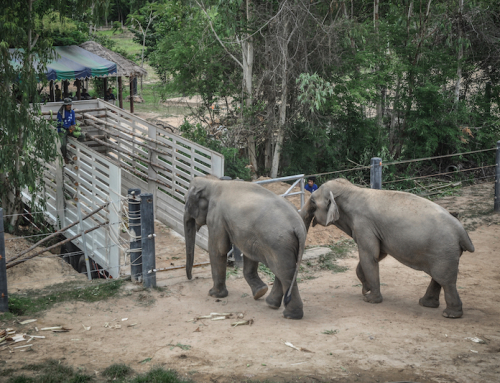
(195, 216)
(321, 208)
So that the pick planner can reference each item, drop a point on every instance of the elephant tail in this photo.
(465, 242)
(300, 234)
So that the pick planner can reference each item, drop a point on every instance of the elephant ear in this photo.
(192, 203)
(333, 211)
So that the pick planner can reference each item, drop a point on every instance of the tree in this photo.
(27, 141)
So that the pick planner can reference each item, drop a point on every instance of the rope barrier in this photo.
(439, 174)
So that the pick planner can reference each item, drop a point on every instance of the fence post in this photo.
(4, 299)
(84, 241)
(497, 180)
(134, 224)
(302, 193)
(148, 240)
(376, 173)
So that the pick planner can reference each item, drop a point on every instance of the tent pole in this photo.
(131, 81)
(105, 84)
(120, 94)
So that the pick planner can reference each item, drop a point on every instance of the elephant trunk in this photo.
(190, 237)
(307, 215)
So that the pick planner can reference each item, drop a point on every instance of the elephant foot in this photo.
(293, 314)
(373, 298)
(365, 290)
(451, 313)
(273, 303)
(432, 303)
(261, 291)
(218, 293)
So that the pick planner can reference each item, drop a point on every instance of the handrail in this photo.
(297, 178)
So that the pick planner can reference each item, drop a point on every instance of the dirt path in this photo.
(343, 339)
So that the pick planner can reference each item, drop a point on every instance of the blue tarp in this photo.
(73, 62)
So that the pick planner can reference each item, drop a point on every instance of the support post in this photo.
(120, 92)
(497, 180)
(376, 173)
(148, 240)
(131, 80)
(78, 89)
(84, 240)
(302, 193)
(4, 299)
(134, 224)
(105, 86)
(65, 89)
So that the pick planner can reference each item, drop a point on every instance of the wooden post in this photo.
(105, 84)
(65, 90)
(120, 93)
(131, 80)
(51, 91)
(4, 299)
(134, 224)
(148, 240)
(376, 173)
(497, 180)
(78, 89)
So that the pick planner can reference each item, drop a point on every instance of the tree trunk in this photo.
(248, 59)
(460, 51)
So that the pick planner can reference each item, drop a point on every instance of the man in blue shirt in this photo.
(311, 186)
(66, 122)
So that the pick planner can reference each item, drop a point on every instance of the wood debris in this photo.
(242, 323)
(297, 348)
(27, 321)
(218, 316)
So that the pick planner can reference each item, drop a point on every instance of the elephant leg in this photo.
(431, 297)
(294, 309)
(453, 302)
(369, 253)
(362, 278)
(250, 267)
(275, 298)
(218, 248)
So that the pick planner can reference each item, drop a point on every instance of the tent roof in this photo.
(73, 62)
(125, 67)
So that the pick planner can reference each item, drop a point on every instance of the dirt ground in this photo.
(341, 338)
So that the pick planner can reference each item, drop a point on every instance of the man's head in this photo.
(57, 86)
(110, 90)
(310, 181)
(84, 90)
(67, 103)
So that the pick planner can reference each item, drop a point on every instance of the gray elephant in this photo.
(417, 232)
(264, 226)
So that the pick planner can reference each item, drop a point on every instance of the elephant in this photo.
(265, 227)
(415, 231)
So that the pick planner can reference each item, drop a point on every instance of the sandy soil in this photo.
(341, 338)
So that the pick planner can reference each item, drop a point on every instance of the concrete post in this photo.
(134, 224)
(376, 173)
(148, 240)
(497, 180)
(4, 299)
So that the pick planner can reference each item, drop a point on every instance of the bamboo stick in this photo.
(180, 267)
(12, 264)
(57, 233)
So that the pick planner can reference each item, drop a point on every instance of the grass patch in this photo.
(159, 375)
(339, 250)
(124, 41)
(35, 301)
(117, 371)
(231, 271)
(51, 371)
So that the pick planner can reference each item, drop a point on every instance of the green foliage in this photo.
(37, 301)
(234, 163)
(117, 27)
(267, 272)
(159, 375)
